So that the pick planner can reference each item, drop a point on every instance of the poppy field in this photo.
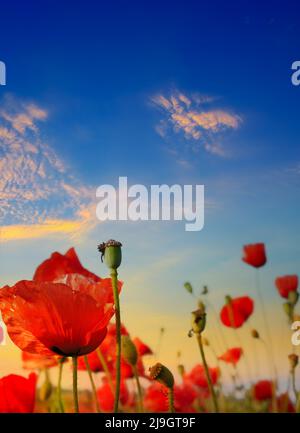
(69, 319)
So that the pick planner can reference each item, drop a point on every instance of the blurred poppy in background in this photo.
(286, 284)
(106, 396)
(284, 404)
(156, 398)
(17, 393)
(263, 390)
(232, 356)
(237, 310)
(197, 376)
(255, 255)
(141, 347)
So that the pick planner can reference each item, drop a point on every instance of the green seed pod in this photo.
(293, 297)
(198, 321)
(45, 391)
(162, 374)
(129, 351)
(112, 253)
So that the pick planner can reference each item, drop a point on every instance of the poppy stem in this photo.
(105, 368)
(114, 279)
(171, 400)
(88, 368)
(294, 384)
(208, 378)
(139, 388)
(75, 385)
(59, 397)
(270, 349)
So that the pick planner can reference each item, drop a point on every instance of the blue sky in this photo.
(172, 92)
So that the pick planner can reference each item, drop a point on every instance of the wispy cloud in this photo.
(192, 116)
(39, 196)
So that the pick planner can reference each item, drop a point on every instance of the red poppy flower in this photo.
(107, 348)
(59, 265)
(184, 397)
(17, 394)
(93, 360)
(263, 390)
(232, 356)
(255, 255)
(108, 351)
(33, 361)
(197, 376)
(141, 347)
(106, 396)
(286, 284)
(237, 311)
(126, 369)
(67, 318)
(156, 398)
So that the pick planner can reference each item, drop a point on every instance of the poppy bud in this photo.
(293, 360)
(205, 341)
(201, 306)
(228, 299)
(188, 287)
(111, 251)
(181, 370)
(198, 321)
(293, 297)
(288, 309)
(254, 333)
(129, 351)
(162, 374)
(45, 391)
(204, 290)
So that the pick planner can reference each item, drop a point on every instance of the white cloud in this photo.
(38, 194)
(189, 115)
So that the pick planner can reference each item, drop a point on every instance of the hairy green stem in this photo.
(59, 397)
(105, 368)
(88, 368)
(208, 378)
(114, 279)
(171, 400)
(294, 384)
(139, 388)
(75, 385)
